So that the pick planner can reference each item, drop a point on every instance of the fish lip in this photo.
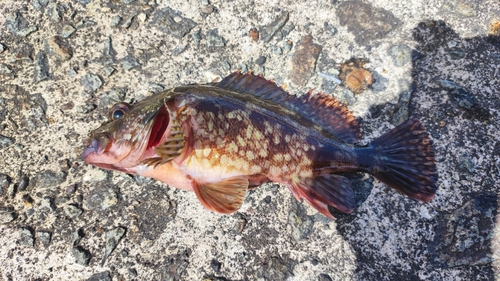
(90, 149)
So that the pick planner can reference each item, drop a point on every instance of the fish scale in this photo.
(219, 140)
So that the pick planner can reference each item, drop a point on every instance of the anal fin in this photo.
(325, 190)
(225, 196)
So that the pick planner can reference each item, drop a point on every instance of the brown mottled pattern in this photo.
(239, 138)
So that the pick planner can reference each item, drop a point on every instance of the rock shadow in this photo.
(455, 94)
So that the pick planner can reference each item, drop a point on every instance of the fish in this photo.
(221, 139)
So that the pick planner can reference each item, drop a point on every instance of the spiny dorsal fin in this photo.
(225, 196)
(321, 109)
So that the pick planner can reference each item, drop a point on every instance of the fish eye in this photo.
(119, 110)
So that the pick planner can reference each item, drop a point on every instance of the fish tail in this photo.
(405, 160)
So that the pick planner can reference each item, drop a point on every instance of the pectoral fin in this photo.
(325, 190)
(225, 196)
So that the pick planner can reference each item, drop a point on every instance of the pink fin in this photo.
(326, 190)
(319, 109)
(225, 196)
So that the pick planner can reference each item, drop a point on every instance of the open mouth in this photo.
(160, 125)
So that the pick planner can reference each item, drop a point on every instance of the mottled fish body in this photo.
(220, 139)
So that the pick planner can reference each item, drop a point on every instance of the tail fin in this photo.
(406, 161)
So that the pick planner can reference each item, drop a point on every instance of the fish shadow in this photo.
(397, 238)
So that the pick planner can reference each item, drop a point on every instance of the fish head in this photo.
(130, 135)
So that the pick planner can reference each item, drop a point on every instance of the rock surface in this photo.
(64, 63)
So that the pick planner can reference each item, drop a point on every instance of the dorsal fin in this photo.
(321, 109)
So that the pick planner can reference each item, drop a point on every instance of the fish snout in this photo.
(95, 145)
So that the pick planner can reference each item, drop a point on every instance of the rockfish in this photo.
(221, 139)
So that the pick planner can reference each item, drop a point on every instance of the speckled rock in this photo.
(7, 215)
(101, 276)
(5, 142)
(44, 237)
(101, 199)
(214, 40)
(113, 237)
(130, 62)
(268, 31)
(304, 60)
(18, 25)
(171, 21)
(274, 269)
(26, 236)
(46, 179)
(72, 211)
(5, 182)
(401, 54)
(91, 82)
(41, 67)
(81, 255)
(60, 48)
(366, 22)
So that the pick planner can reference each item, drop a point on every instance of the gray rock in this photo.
(243, 67)
(287, 29)
(268, 31)
(41, 67)
(463, 8)
(67, 30)
(7, 215)
(85, 108)
(112, 97)
(60, 48)
(113, 237)
(72, 211)
(324, 277)
(330, 28)
(196, 36)
(44, 237)
(5, 69)
(459, 94)
(26, 236)
(108, 70)
(72, 72)
(226, 65)
(463, 238)
(5, 182)
(5, 142)
(276, 50)
(346, 96)
(402, 113)
(54, 11)
(101, 199)
(214, 41)
(109, 52)
(85, 23)
(366, 22)
(18, 25)
(465, 164)
(23, 183)
(2, 48)
(81, 255)
(47, 179)
(179, 49)
(129, 63)
(115, 20)
(274, 269)
(129, 21)
(84, 2)
(171, 21)
(401, 54)
(76, 237)
(215, 265)
(91, 82)
(101, 276)
(304, 60)
(301, 223)
(39, 5)
(261, 60)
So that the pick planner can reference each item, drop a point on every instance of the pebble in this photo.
(324, 277)
(81, 255)
(330, 28)
(301, 224)
(215, 265)
(97, 175)
(179, 49)
(39, 5)
(101, 199)
(115, 20)
(85, 23)
(304, 60)
(44, 237)
(465, 164)
(107, 99)
(196, 37)
(402, 113)
(2, 48)
(101, 276)
(47, 203)
(5, 142)
(113, 237)
(347, 97)
(76, 237)
(401, 54)
(91, 82)
(5, 182)
(459, 94)
(330, 77)
(108, 48)
(276, 50)
(23, 183)
(5, 69)
(261, 60)
(171, 21)
(54, 11)
(108, 70)
(7, 215)
(47, 179)
(214, 40)
(460, 7)
(67, 30)
(60, 48)
(226, 65)
(288, 46)
(18, 25)
(41, 67)
(129, 63)
(274, 269)
(26, 236)
(129, 21)
(85, 108)
(366, 22)
(268, 31)
(72, 211)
